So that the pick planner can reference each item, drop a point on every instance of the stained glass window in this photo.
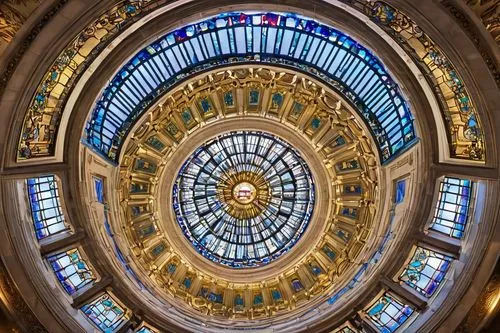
(463, 126)
(44, 114)
(276, 295)
(283, 39)
(297, 285)
(400, 191)
(99, 188)
(388, 313)
(329, 252)
(452, 209)
(45, 206)
(345, 329)
(105, 313)
(244, 198)
(71, 270)
(238, 302)
(425, 271)
(258, 300)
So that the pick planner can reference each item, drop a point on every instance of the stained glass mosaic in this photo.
(99, 188)
(105, 313)
(44, 113)
(71, 270)
(425, 271)
(389, 313)
(460, 116)
(45, 206)
(244, 198)
(400, 191)
(282, 39)
(452, 208)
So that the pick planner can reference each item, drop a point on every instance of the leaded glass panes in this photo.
(99, 188)
(44, 114)
(452, 208)
(283, 39)
(45, 206)
(105, 313)
(71, 270)
(425, 271)
(464, 128)
(400, 191)
(244, 198)
(389, 313)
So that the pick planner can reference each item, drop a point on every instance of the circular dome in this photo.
(151, 86)
(244, 198)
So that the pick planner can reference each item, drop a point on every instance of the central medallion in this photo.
(244, 198)
(244, 193)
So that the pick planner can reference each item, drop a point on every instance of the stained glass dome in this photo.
(244, 198)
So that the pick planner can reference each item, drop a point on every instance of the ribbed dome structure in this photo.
(226, 166)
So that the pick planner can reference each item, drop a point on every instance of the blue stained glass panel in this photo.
(71, 270)
(187, 283)
(45, 206)
(452, 209)
(238, 300)
(99, 189)
(388, 313)
(258, 300)
(425, 271)
(297, 285)
(282, 39)
(105, 313)
(400, 191)
(276, 294)
(329, 252)
(254, 97)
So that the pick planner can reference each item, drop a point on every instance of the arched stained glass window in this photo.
(45, 206)
(244, 198)
(280, 39)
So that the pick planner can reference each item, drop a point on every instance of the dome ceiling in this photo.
(278, 169)
(177, 216)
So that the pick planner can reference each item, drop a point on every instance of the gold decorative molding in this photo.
(15, 304)
(11, 20)
(489, 13)
(486, 305)
(333, 135)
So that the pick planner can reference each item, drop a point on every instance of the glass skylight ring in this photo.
(310, 46)
(258, 239)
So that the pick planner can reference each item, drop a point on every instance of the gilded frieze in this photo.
(333, 134)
